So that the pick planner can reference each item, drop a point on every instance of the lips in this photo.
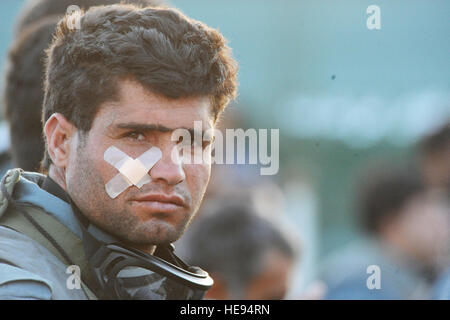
(162, 199)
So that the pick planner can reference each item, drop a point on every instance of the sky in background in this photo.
(315, 69)
(8, 12)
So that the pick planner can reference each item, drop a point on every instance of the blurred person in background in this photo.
(441, 290)
(23, 92)
(407, 228)
(435, 160)
(248, 257)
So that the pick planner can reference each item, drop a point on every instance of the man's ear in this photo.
(58, 132)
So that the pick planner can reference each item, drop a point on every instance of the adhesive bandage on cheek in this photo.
(131, 171)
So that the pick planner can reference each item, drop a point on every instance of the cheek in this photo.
(95, 151)
(197, 178)
(89, 167)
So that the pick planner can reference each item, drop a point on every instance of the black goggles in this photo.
(126, 273)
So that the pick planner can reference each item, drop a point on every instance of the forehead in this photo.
(138, 105)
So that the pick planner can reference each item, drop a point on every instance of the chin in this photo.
(157, 233)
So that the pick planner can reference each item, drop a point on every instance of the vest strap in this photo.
(71, 244)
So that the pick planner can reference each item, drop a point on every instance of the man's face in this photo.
(424, 226)
(436, 168)
(159, 211)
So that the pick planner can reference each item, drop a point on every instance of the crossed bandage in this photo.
(131, 171)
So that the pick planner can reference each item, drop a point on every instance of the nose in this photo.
(166, 170)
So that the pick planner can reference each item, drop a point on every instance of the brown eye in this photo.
(134, 135)
(180, 140)
(207, 143)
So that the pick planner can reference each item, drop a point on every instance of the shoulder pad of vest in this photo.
(10, 180)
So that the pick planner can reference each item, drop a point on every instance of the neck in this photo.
(58, 175)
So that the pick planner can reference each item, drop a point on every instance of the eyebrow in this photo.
(144, 127)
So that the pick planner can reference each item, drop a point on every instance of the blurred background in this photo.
(346, 99)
